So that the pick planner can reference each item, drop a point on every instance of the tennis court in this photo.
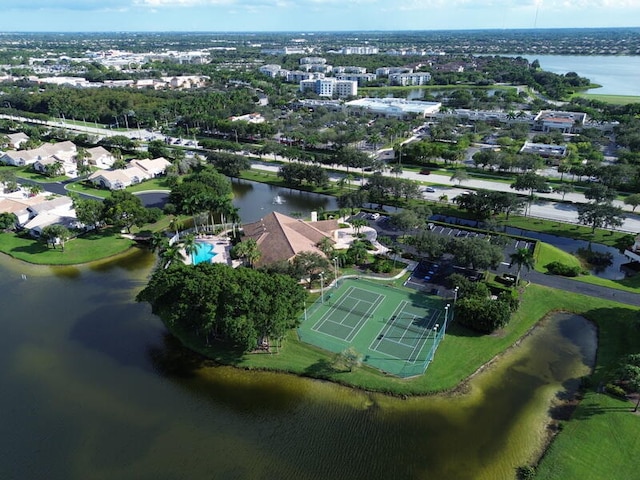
(397, 330)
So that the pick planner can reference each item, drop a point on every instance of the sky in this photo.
(311, 15)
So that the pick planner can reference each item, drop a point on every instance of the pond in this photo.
(254, 200)
(95, 389)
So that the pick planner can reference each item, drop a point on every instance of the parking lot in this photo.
(430, 275)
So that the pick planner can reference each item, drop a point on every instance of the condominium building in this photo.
(329, 87)
(361, 78)
(404, 79)
(365, 50)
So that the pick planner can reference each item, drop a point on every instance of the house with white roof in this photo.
(17, 139)
(137, 171)
(65, 151)
(151, 167)
(100, 157)
(68, 168)
(118, 179)
(58, 210)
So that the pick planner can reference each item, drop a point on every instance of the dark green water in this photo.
(93, 389)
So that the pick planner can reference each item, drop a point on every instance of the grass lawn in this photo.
(81, 187)
(152, 184)
(88, 248)
(599, 442)
(579, 232)
(548, 253)
(612, 99)
(27, 173)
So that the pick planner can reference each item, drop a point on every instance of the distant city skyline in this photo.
(311, 15)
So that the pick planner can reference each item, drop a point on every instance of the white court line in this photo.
(364, 319)
(329, 312)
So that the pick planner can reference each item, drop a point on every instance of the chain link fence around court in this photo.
(396, 335)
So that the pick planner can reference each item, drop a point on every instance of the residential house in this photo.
(66, 168)
(280, 237)
(58, 210)
(65, 151)
(17, 139)
(118, 179)
(100, 157)
(137, 171)
(151, 167)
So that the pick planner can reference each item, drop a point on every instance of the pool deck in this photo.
(221, 248)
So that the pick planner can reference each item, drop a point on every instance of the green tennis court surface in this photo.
(396, 330)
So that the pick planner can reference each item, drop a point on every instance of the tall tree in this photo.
(522, 257)
(55, 234)
(460, 175)
(600, 215)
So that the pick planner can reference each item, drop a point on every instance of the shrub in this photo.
(482, 314)
(558, 268)
(381, 265)
(615, 390)
(526, 472)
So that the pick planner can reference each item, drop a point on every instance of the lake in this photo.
(94, 388)
(618, 75)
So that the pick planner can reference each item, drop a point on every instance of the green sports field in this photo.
(396, 330)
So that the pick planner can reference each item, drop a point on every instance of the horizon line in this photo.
(494, 29)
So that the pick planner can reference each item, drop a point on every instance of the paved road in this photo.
(547, 206)
(575, 286)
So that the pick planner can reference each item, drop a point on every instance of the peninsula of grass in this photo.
(461, 354)
(90, 247)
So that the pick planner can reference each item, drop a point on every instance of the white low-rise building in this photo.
(395, 107)
(361, 78)
(406, 79)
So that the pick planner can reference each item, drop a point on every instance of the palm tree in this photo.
(158, 242)
(522, 257)
(190, 245)
(375, 139)
(326, 246)
(357, 252)
(34, 189)
(248, 250)
(394, 250)
(357, 225)
(170, 254)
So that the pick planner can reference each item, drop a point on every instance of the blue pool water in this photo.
(203, 254)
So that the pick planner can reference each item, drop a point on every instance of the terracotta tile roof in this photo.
(281, 237)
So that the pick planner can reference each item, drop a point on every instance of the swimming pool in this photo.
(204, 253)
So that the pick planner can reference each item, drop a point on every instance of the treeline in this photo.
(124, 106)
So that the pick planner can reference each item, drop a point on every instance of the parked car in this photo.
(545, 189)
(425, 171)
